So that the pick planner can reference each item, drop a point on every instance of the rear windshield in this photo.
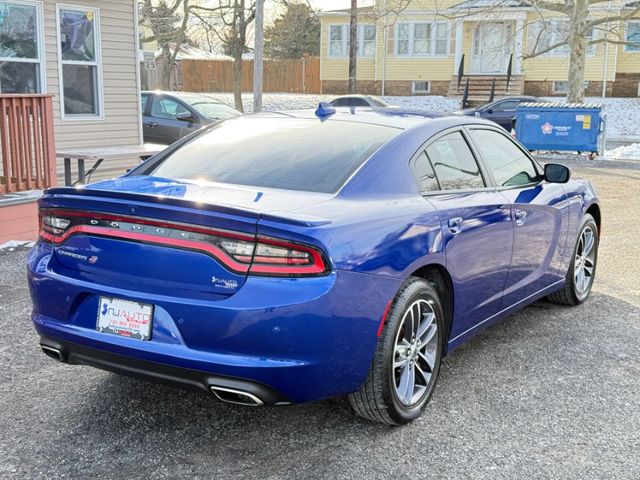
(272, 152)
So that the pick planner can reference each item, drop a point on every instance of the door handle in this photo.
(455, 225)
(151, 124)
(521, 216)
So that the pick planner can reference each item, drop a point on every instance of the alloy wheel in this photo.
(416, 347)
(585, 261)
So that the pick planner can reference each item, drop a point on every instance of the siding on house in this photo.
(541, 69)
(121, 123)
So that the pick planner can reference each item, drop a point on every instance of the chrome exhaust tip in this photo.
(52, 352)
(238, 397)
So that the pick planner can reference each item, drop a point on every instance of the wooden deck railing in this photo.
(26, 143)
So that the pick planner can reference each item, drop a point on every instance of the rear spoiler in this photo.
(53, 195)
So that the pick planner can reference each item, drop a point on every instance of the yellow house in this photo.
(421, 48)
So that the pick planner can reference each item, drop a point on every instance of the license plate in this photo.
(124, 318)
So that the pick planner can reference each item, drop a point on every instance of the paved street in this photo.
(551, 393)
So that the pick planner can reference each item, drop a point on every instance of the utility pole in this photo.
(353, 47)
(258, 55)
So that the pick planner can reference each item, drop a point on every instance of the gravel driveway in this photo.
(551, 393)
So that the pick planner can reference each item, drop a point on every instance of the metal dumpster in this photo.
(560, 126)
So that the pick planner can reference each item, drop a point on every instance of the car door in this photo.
(502, 113)
(165, 122)
(539, 211)
(147, 124)
(476, 227)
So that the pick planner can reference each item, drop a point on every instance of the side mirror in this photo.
(556, 173)
(185, 117)
(489, 111)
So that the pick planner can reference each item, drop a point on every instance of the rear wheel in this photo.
(582, 270)
(407, 360)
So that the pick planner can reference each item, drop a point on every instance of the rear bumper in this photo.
(185, 378)
(302, 339)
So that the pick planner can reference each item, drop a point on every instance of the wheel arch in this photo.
(594, 211)
(438, 276)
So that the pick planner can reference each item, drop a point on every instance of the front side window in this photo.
(79, 41)
(20, 48)
(632, 37)
(422, 39)
(508, 163)
(167, 108)
(505, 106)
(339, 40)
(454, 164)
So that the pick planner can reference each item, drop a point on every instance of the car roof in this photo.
(396, 118)
(182, 95)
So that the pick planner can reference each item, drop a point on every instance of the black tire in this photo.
(570, 295)
(377, 399)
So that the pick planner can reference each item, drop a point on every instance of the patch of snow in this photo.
(622, 114)
(624, 152)
(13, 244)
(293, 101)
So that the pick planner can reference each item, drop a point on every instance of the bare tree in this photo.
(353, 47)
(168, 24)
(229, 21)
(582, 20)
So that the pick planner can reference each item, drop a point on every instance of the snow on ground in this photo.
(292, 101)
(623, 117)
(623, 114)
(13, 244)
(624, 152)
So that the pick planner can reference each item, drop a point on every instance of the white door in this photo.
(489, 47)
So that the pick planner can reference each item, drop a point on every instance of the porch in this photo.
(28, 162)
(488, 56)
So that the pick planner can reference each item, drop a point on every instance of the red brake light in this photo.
(239, 252)
(282, 258)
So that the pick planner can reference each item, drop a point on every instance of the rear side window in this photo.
(454, 164)
(509, 165)
(424, 173)
(277, 152)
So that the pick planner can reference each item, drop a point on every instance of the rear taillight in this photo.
(279, 257)
(52, 226)
(239, 252)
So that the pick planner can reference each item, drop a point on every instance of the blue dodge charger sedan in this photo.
(292, 257)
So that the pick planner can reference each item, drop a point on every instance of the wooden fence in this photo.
(26, 143)
(280, 76)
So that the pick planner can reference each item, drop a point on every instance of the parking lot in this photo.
(552, 392)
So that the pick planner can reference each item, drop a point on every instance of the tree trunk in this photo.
(163, 65)
(237, 81)
(577, 51)
(353, 50)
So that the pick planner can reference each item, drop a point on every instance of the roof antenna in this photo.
(325, 110)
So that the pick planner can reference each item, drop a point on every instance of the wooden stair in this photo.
(480, 87)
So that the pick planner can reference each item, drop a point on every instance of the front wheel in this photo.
(407, 360)
(582, 270)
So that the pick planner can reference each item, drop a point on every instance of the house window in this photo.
(21, 48)
(563, 87)
(632, 37)
(546, 34)
(339, 40)
(422, 39)
(80, 62)
(421, 86)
